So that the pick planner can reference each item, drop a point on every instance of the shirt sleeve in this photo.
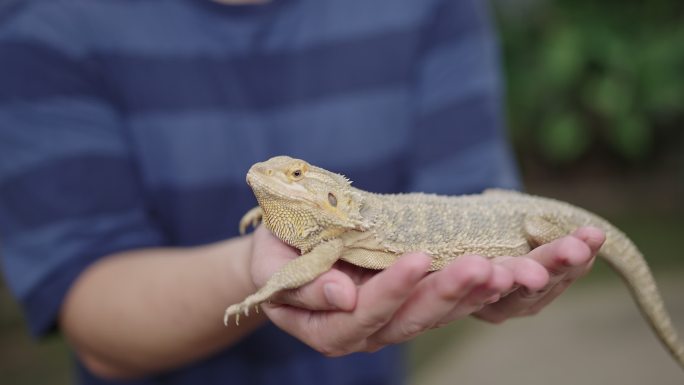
(69, 189)
(459, 140)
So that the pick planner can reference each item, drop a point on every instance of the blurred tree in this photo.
(595, 78)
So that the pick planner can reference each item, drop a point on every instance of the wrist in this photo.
(233, 262)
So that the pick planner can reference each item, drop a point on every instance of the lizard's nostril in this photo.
(261, 169)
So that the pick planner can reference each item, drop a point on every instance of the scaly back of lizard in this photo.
(321, 214)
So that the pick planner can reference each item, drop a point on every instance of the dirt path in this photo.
(592, 335)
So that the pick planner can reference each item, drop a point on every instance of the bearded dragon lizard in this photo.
(327, 219)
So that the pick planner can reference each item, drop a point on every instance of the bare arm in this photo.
(143, 311)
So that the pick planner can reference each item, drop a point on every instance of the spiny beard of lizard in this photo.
(311, 205)
(294, 225)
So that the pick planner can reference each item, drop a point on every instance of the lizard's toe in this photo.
(240, 308)
(235, 310)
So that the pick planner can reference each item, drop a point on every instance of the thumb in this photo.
(333, 290)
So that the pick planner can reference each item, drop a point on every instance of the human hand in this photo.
(352, 309)
(565, 260)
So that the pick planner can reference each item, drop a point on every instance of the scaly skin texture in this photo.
(321, 214)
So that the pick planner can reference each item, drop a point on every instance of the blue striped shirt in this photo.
(129, 124)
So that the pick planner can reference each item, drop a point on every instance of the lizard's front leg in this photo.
(293, 274)
(251, 217)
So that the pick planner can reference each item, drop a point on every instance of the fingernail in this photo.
(492, 299)
(514, 288)
(332, 294)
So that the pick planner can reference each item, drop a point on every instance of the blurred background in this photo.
(596, 114)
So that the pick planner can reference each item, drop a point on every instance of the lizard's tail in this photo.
(624, 257)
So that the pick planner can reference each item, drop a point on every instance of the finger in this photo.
(335, 333)
(551, 295)
(433, 299)
(491, 292)
(561, 255)
(386, 292)
(557, 288)
(527, 272)
(592, 236)
(565, 259)
(334, 290)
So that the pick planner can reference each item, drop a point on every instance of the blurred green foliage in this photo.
(585, 76)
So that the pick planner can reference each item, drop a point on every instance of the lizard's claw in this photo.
(252, 217)
(243, 307)
(236, 310)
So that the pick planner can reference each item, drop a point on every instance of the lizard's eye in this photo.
(296, 174)
(332, 199)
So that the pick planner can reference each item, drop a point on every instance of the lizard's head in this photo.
(304, 204)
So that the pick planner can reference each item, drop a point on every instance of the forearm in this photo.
(147, 310)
